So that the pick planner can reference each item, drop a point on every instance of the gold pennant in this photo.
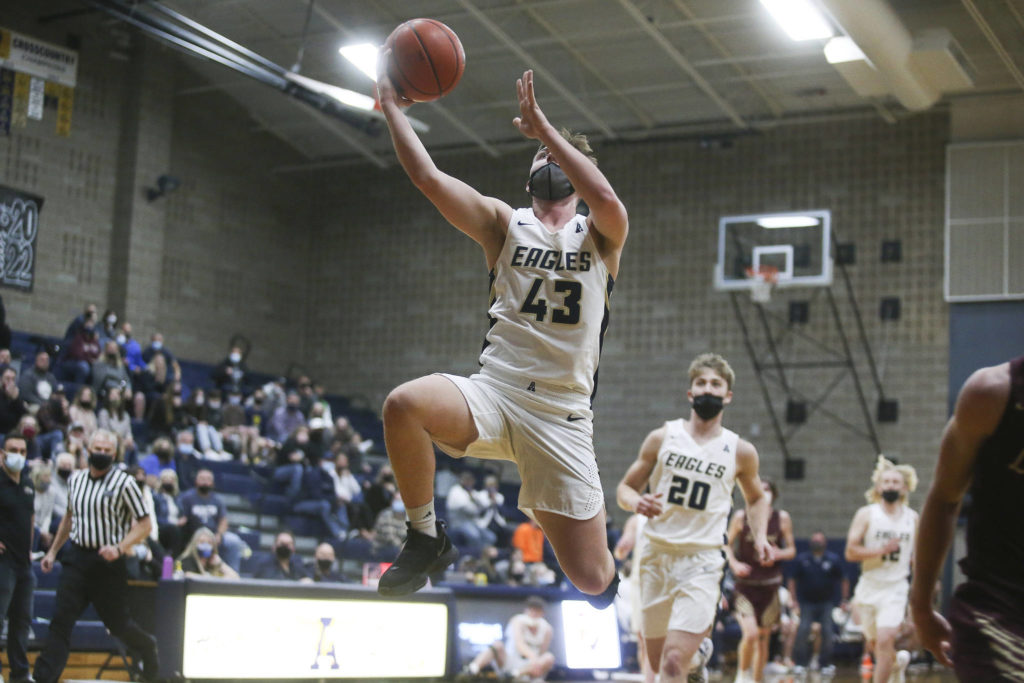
(65, 103)
(5, 43)
(19, 105)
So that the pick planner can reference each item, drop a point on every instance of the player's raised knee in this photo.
(672, 662)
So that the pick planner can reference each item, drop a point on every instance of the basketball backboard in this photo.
(796, 243)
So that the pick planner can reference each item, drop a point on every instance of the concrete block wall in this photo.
(413, 291)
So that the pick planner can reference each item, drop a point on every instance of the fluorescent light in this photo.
(788, 222)
(800, 19)
(842, 49)
(343, 95)
(364, 56)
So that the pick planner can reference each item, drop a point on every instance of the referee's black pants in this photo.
(86, 577)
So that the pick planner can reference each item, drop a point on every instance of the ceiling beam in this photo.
(679, 60)
(539, 69)
(994, 41)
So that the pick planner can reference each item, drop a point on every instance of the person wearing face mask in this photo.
(83, 410)
(324, 567)
(690, 468)
(17, 581)
(284, 565)
(45, 499)
(552, 272)
(881, 538)
(110, 371)
(200, 558)
(817, 581)
(756, 602)
(83, 351)
(12, 404)
(165, 506)
(286, 418)
(63, 467)
(107, 328)
(201, 506)
(38, 383)
(389, 530)
(231, 372)
(526, 653)
(105, 519)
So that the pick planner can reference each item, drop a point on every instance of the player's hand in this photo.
(740, 569)
(531, 119)
(772, 556)
(46, 564)
(764, 552)
(110, 553)
(649, 505)
(935, 634)
(386, 91)
(892, 546)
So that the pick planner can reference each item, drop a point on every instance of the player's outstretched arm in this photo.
(607, 213)
(627, 494)
(484, 219)
(788, 549)
(749, 480)
(978, 411)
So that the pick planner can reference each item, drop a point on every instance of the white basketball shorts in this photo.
(679, 592)
(880, 605)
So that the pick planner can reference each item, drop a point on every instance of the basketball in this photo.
(427, 59)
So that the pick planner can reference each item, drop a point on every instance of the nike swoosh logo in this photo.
(574, 418)
(522, 223)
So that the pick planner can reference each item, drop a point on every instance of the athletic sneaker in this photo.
(899, 672)
(421, 556)
(699, 671)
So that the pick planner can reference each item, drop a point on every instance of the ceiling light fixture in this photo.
(800, 19)
(788, 222)
(363, 56)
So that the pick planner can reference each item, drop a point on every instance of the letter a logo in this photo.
(532, 387)
(320, 651)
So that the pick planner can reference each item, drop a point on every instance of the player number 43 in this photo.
(698, 499)
(566, 314)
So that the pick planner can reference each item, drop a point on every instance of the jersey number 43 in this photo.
(566, 314)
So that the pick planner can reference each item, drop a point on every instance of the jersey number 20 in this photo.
(567, 314)
(698, 493)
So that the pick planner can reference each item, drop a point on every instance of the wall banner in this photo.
(19, 228)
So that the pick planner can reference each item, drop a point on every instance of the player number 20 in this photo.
(566, 314)
(698, 493)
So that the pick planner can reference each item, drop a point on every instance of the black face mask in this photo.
(707, 406)
(549, 182)
(817, 547)
(64, 474)
(324, 565)
(283, 552)
(890, 496)
(100, 461)
(203, 490)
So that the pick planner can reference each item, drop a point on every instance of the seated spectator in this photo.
(82, 352)
(187, 459)
(63, 468)
(162, 458)
(88, 314)
(75, 444)
(304, 385)
(466, 522)
(348, 493)
(239, 434)
(165, 505)
(166, 415)
(389, 530)
(45, 499)
(379, 494)
(6, 359)
(110, 371)
(256, 410)
(316, 499)
(83, 410)
(285, 564)
(29, 428)
(132, 354)
(207, 428)
(513, 570)
(289, 466)
(37, 383)
(200, 558)
(107, 329)
(231, 372)
(202, 507)
(114, 417)
(490, 499)
(323, 568)
(324, 410)
(12, 404)
(286, 419)
(529, 538)
(54, 418)
(145, 560)
(526, 653)
(162, 370)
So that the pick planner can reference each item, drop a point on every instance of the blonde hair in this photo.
(579, 141)
(715, 363)
(882, 466)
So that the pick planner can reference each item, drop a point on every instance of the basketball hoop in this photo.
(762, 281)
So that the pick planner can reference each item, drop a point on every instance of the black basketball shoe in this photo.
(421, 556)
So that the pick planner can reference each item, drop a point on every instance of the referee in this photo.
(104, 519)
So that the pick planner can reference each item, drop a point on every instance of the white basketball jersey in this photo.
(894, 566)
(548, 306)
(696, 481)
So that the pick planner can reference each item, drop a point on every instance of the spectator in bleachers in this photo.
(54, 421)
(466, 520)
(87, 315)
(323, 568)
(288, 469)
(491, 499)
(166, 414)
(165, 505)
(304, 385)
(114, 417)
(142, 559)
(348, 493)
(256, 409)
(12, 405)
(110, 371)
(316, 500)
(284, 565)
(513, 570)
(274, 395)
(63, 468)
(74, 444)
(83, 410)
(16, 577)
(205, 411)
(162, 369)
(286, 419)
(200, 558)
(45, 501)
(28, 427)
(38, 383)
(320, 399)
(319, 440)
(132, 353)
(162, 457)
(82, 352)
(529, 538)
(187, 459)
(238, 433)
(230, 373)
(200, 506)
(379, 494)
(6, 359)
(107, 329)
(389, 530)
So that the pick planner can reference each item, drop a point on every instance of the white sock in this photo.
(423, 519)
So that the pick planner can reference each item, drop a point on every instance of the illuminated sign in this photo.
(252, 637)
(591, 636)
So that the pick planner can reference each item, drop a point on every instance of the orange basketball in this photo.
(427, 59)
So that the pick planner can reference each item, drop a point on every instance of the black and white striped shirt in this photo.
(103, 509)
